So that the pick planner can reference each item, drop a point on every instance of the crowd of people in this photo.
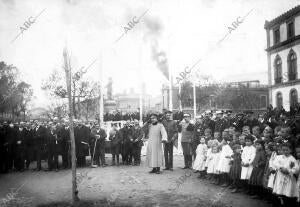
(24, 142)
(259, 156)
(255, 154)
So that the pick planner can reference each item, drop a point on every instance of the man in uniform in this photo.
(172, 132)
(207, 122)
(198, 133)
(187, 130)
(137, 135)
(220, 123)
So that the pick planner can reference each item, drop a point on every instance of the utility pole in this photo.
(194, 95)
(71, 117)
(101, 108)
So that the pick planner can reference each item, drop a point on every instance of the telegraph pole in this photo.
(101, 108)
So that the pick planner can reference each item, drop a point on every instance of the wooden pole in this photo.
(71, 117)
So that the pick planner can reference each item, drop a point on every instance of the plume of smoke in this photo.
(152, 34)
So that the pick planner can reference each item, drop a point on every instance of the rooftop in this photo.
(282, 17)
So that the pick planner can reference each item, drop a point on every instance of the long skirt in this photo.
(235, 170)
(256, 177)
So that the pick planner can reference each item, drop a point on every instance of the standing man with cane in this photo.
(99, 136)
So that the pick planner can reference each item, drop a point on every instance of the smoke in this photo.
(152, 34)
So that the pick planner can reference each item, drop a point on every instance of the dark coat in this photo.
(137, 136)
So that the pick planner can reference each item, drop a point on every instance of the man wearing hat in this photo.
(39, 134)
(115, 138)
(156, 135)
(187, 132)
(220, 123)
(172, 132)
(207, 122)
(82, 135)
(250, 120)
(198, 133)
(239, 122)
(98, 135)
(137, 135)
(22, 133)
(64, 137)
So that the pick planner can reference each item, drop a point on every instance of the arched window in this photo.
(277, 70)
(292, 65)
(293, 97)
(279, 100)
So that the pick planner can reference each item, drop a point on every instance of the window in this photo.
(277, 70)
(276, 36)
(263, 101)
(290, 29)
(292, 65)
(279, 100)
(293, 97)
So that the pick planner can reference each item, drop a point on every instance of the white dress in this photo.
(286, 184)
(224, 162)
(199, 163)
(298, 181)
(213, 161)
(248, 155)
(271, 165)
(207, 155)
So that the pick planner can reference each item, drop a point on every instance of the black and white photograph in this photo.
(149, 103)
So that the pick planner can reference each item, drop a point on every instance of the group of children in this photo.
(265, 166)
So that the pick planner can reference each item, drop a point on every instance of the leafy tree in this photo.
(81, 89)
(14, 94)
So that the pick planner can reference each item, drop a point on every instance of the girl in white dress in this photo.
(212, 163)
(199, 164)
(285, 184)
(297, 153)
(224, 163)
(248, 155)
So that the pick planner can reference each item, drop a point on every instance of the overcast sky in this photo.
(185, 30)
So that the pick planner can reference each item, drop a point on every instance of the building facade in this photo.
(283, 51)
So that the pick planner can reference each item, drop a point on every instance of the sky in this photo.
(186, 31)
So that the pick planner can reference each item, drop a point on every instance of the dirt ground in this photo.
(118, 186)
